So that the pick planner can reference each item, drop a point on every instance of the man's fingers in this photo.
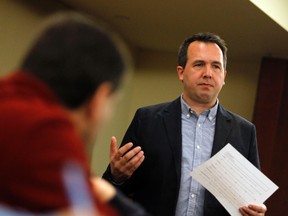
(125, 162)
(139, 162)
(113, 146)
(131, 154)
(115, 152)
(258, 208)
(123, 150)
(134, 163)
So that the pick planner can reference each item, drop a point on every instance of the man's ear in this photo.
(99, 102)
(180, 71)
(225, 74)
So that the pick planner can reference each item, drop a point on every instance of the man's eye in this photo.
(217, 66)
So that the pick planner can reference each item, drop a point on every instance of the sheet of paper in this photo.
(233, 180)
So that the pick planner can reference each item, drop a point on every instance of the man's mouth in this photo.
(206, 84)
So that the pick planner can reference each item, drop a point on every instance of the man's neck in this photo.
(199, 107)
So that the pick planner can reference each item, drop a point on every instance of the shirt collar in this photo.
(211, 113)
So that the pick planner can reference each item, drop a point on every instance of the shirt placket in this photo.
(194, 192)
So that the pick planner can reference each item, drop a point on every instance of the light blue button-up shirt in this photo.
(197, 141)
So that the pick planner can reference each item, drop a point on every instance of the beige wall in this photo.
(18, 22)
(16, 26)
(155, 79)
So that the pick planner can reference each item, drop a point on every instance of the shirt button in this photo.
(187, 115)
(198, 147)
(193, 196)
(199, 125)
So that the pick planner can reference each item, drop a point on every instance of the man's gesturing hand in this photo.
(124, 161)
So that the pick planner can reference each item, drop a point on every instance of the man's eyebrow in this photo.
(201, 61)
(198, 61)
(217, 62)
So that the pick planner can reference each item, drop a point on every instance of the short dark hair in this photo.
(73, 55)
(203, 37)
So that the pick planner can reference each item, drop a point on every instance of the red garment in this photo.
(37, 139)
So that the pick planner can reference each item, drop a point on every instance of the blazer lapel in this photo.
(222, 129)
(171, 116)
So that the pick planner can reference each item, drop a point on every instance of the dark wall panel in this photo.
(271, 120)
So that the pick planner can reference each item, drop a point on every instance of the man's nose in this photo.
(207, 73)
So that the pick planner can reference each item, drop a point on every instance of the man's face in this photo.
(203, 75)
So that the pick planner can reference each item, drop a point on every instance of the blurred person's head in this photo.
(83, 64)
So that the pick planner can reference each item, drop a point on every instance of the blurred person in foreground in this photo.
(50, 108)
(178, 136)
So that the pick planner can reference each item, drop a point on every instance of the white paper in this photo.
(233, 180)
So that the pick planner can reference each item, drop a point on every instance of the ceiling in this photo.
(163, 25)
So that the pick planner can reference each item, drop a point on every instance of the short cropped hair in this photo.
(73, 55)
(206, 37)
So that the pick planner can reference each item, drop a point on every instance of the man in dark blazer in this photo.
(160, 132)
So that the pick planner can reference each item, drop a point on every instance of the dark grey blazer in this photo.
(157, 129)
